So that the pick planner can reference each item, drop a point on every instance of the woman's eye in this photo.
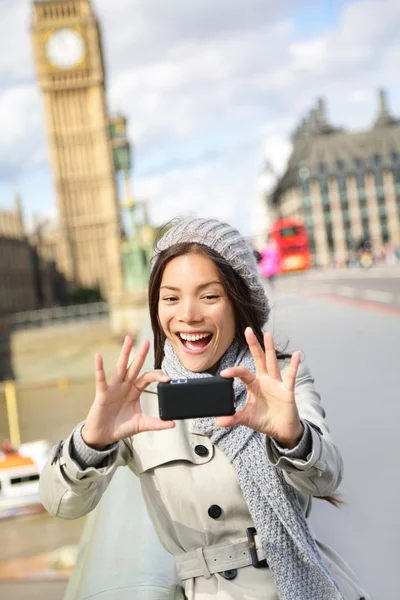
(169, 299)
(211, 297)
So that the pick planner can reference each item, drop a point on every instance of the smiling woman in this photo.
(229, 497)
(195, 312)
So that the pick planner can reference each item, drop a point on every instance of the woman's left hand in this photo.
(270, 406)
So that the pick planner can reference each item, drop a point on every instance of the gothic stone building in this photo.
(29, 278)
(17, 288)
(344, 186)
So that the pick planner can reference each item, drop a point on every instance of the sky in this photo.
(211, 90)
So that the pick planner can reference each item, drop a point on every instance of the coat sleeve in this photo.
(320, 471)
(70, 490)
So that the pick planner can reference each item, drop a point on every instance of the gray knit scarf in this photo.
(291, 551)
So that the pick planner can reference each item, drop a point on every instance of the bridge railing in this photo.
(58, 314)
(120, 557)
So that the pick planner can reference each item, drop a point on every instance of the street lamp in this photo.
(134, 252)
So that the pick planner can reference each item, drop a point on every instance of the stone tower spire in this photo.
(18, 212)
(384, 117)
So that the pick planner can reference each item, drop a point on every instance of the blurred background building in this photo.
(344, 186)
(28, 271)
(17, 290)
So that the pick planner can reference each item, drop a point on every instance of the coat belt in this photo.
(206, 561)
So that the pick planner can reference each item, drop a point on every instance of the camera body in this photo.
(194, 398)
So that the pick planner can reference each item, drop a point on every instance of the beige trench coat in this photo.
(179, 486)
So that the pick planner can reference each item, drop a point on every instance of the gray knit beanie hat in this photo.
(228, 243)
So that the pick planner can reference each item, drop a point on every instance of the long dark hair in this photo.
(236, 290)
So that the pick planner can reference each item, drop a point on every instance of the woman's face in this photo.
(195, 312)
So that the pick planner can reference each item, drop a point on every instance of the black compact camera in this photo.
(193, 398)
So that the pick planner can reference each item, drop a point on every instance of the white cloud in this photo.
(21, 127)
(209, 88)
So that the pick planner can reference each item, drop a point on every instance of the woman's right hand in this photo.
(116, 412)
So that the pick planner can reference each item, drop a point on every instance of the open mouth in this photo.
(195, 343)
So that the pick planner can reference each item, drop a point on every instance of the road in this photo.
(352, 349)
(351, 345)
(375, 285)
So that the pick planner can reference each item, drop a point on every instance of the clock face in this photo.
(65, 49)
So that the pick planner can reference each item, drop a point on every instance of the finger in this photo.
(122, 362)
(244, 374)
(256, 351)
(144, 380)
(137, 363)
(100, 376)
(291, 374)
(148, 423)
(270, 357)
(229, 421)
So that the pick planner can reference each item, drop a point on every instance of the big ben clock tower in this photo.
(70, 70)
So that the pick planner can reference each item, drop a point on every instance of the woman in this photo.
(228, 497)
(270, 264)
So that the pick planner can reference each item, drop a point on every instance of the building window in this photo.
(365, 226)
(329, 237)
(344, 204)
(323, 186)
(307, 211)
(376, 160)
(384, 229)
(396, 175)
(382, 210)
(322, 167)
(396, 185)
(362, 196)
(340, 165)
(380, 194)
(360, 179)
(325, 201)
(362, 200)
(359, 163)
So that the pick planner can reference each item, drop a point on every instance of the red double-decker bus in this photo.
(290, 237)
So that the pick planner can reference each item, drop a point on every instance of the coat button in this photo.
(201, 450)
(215, 511)
(231, 574)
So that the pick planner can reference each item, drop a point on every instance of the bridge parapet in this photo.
(120, 556)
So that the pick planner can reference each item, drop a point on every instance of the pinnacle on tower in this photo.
(384, 119)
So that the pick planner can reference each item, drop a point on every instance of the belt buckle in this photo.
(258, 564)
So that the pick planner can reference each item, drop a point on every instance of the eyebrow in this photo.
(200, 287)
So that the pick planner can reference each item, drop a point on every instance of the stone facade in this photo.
(70, 71)
(28, 272)
(17, 289)
(344, 186)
